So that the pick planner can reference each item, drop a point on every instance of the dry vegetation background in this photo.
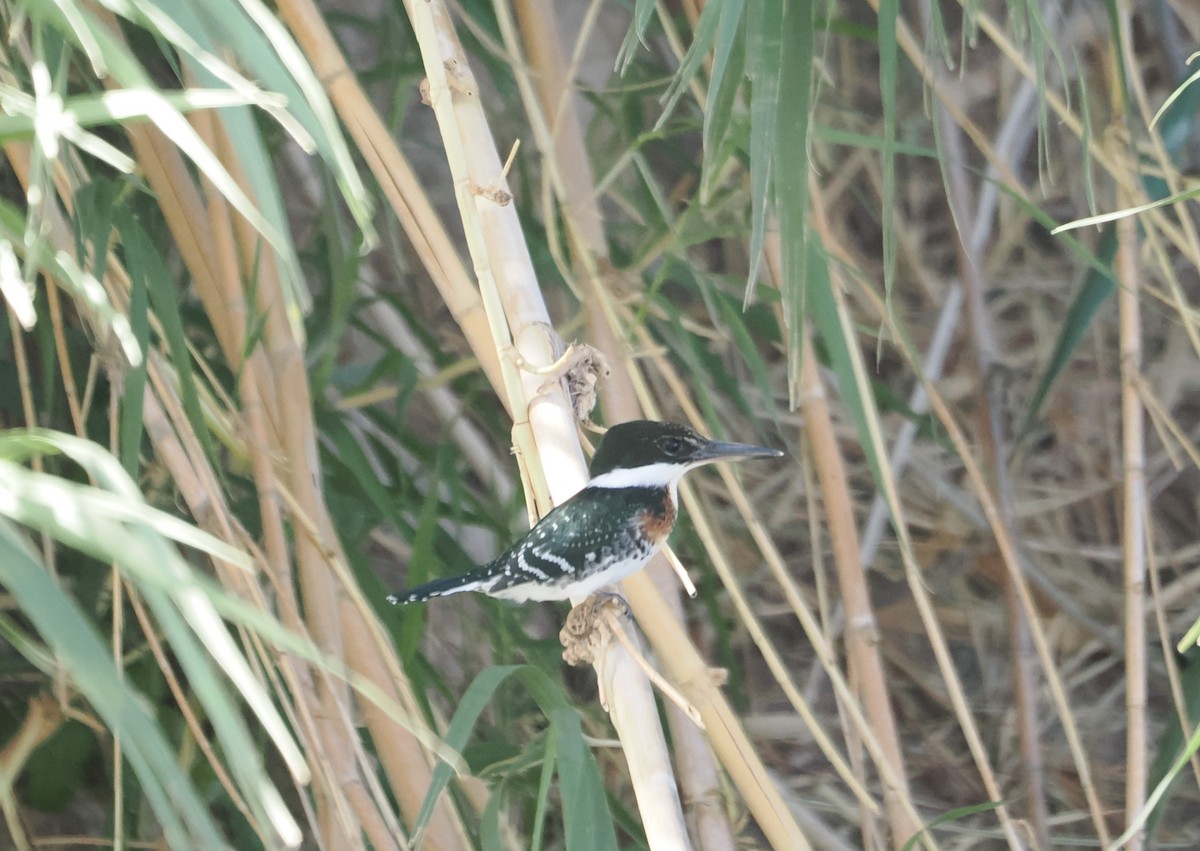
(267, 357)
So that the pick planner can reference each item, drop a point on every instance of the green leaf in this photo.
(744, 341)
(423, 556)
(122, 105)
(40, 499)
(584, 804)
(791, 172)
(146, 263)
(642, 11)
(1104, 218)
(133, 399)
(702, 39)
(953, 815)
(727, 74)
(66, 628)
(586, 816)
(889, 11)
(1161, 789)
(115, 57)
(764, 63)
(270, 51)
(267, 50)
(87, 519)
(490, 836)
(88, 292)
(546, 778)
(1170, 741)
(840, 136)
(838, 344)
(470, 706)
(1098, 287)
(54, 771)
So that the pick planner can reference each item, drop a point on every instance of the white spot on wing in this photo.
(528, 569)
(568, 569)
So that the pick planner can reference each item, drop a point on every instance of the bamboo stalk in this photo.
(560, 137)
(995, 444)
(1133, 535)
(1011, 561)
(862, 630)
(430, 240)
(200, 491)
(915, 582)
(544, 430)
(677, 653)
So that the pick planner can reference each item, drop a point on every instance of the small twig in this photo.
(676, 565)
(512, 155)
(669, 691)
(590, 626)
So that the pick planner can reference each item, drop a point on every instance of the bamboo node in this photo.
(588, 367)
(457, 79)
(583, 367)
(497, 195)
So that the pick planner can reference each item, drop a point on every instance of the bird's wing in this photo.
(565, 544)
(543, 555)
(586, 531)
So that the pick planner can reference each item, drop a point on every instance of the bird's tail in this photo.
(438, 588)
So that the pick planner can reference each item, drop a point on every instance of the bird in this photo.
(605, 532)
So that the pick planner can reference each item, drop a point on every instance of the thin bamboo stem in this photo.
(1133, 536)
(430, 240)
(544, 430)
(925, 609)
(862, 630)
(995, 445)
(569, 169)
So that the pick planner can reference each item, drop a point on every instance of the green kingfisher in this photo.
(609, 529)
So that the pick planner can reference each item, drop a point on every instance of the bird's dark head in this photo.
(648, 453)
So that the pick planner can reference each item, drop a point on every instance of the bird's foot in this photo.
(592, 624)
(586, 630)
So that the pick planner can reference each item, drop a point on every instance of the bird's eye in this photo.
(672, 445)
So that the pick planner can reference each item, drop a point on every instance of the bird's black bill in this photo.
(717, 450)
